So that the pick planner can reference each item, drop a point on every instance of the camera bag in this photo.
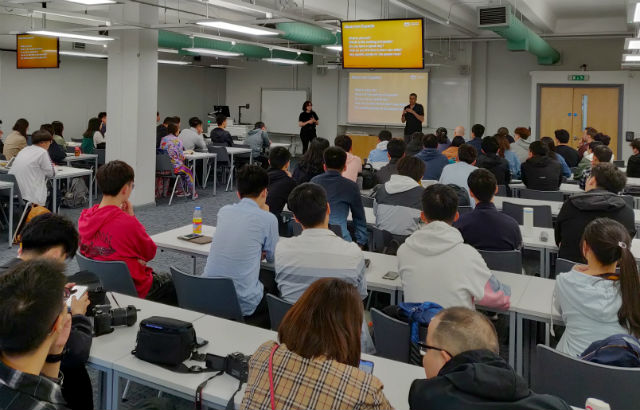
(165, 341)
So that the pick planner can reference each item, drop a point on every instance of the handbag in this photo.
(165, 341)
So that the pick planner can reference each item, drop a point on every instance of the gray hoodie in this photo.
(397, 205)
(258, 140)
(521, 149)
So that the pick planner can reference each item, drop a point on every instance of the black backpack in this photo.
(369, 179)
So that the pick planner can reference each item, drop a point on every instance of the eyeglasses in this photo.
(425, 347)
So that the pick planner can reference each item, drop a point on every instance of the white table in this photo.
(71, 157)
(73, 144)
(204, 156)
(279, 144)
(232, 151)
(381, 264)
(9, 186)
(567, 189)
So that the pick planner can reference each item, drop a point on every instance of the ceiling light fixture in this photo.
(209, 51)
(334, 47)
(73, 16)
(253, 31)
(48, 33)
(168, 50)
(92, 2)
(284, 61)
(636, 14)
(174, 62)
(233, 6)
(631, 58)
(79, 54)
(632, 44)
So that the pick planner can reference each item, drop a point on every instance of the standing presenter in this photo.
(412, 117)
(307, 121)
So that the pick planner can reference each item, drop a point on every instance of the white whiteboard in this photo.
(280, 110)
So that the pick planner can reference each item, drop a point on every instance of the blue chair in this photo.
(277, 309)
(542, 217)
(392, 337)
(114, 275)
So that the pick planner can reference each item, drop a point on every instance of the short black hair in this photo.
(467, 153)
(430, 141)
(413, 95)
(278, 157)
(48, 230)
(385, 135)
(58, 128)
(308, 202)
(396, 148)
(539, 149)
(32, 299)
(603, 153)
(411, 167)
(47, 127)
(168, 120)
(594, 144)
(457, 141)
(41, 136)
(344, 142)
(335, 158)
(490, 145)
(562, 136)
(101, 115)
(113, 175)
(172, 128)
(220, 119)
(252, 180)
(478, 130)
(635, 144)
(258, 125)
(440, 203)
(605, 139)
(609, 177)
(482, 183)
(194, 122)
(176, 119)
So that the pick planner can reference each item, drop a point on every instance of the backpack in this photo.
(418, 314)
(369, 179)
(463, 195)
(618, 350)
(30, 212)
(77, 196)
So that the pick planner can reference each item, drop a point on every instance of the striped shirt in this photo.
(23, 391)
(317, 383)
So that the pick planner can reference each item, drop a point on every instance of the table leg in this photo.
(91, 191)
(204, 169)
(232, 168)
(106, 389)
(542, 263)
(10, 216)
(519, 344)
(95, 173)
(55, 195)
(115, 390)
(393, 297)
(215, 175)
(193, 268)
(512, 339)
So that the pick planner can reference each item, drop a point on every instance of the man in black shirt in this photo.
(162, 131)
(412, 117)
(562, 147)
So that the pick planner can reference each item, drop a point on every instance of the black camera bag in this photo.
(165, 341)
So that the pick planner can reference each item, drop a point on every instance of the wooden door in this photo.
(555, 110)
(601, 108)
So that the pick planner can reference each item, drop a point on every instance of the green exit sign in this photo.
(578, 77)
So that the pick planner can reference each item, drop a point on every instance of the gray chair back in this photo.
(391, 336)
(213, 296)
(502, 190)
(163, 164)
(220, 151)
(619, 163)
(542, 195)
(114, 275)
(17, 195)
(564, 265)
(542, 217)
(277, 309)
(574, 380)
(367, 201)
(505, 261)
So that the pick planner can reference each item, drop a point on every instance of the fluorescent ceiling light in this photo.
(284, 61)
(208, 51)
(174, 62)
(632, 44)
(225, 66)
(636, 14)
(168, 50)
(73, 16)
(630, 58)
(244, 6)
(223, 25)
(79, 54)
(69, 35)
(92, 2)
(334, 47)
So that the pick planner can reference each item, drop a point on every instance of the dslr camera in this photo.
(105, 318)
(236, 365)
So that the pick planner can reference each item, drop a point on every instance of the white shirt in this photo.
(31, 168)
(191, 139)
(98, 138)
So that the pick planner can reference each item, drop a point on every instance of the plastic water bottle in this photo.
(527, 221)
(197, 221)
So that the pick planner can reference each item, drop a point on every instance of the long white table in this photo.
(232, 151)
(567, 189)
(204, 156)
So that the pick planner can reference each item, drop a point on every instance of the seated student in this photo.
(415, 145)
(32, 166)
(172, 145)
(600, 154)
(315, 362)
(280, 182)
(605, 139)
(594, 300)
(443, 140)
(465, 371)
(452, 152)
(587, 138)
(379, 154)
(397, 204)
(343, 194)
(585, 163)
(433, 159)
(16, 140)
(436, 253)
(110, 232)
(458, 173)
(505, 152)
(601, 199)
(540, 171)
(191, 137)
(354, 164)
(521, 145)
(563, 148)
(504, 132)
(246, 233)
(88, 145)
(162, 131)
(219, 135)
(566, 172)
(58, 129)
(312, 162)
(486, 228)
(477, 131)
(56, 153)
(490, 160)
(395, 150)
(258, 140)
(633, 164)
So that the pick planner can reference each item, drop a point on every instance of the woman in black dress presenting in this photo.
(307, 121)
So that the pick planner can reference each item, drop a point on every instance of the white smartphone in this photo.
(76, 291)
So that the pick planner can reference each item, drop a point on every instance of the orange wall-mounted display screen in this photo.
(36, 51)
(383, 44)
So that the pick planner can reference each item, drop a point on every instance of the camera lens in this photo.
(118, 317)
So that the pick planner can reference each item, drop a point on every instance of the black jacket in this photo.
(497, 165)
(280, 186)
(384, 174)
(485, 228)
(541, 173)
(161, 132)
(581, 209)
(633, 166)
(56, 153)
(478, 380)
(569, 154)
(220, 135)
(305, 172)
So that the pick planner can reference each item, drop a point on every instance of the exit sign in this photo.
(579, 77)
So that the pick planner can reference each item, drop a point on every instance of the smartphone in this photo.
(367, 262)
(189, 236)
(391, 275)
(366, 366)
(76, 291)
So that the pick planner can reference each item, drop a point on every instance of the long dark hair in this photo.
(548, 141)
(58, 128)
(21, 126)
(313, 159)
(92, 127)
(441, 134)
(610, 242)
(503, 143)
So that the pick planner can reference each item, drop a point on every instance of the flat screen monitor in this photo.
(222, 109)
(36, 51)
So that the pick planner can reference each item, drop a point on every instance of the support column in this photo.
(132, 96)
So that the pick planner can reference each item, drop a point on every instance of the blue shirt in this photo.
(487, 229)
(378, 155)
(434, 163)
(514, 163)
(566, 171)
(476, 143)
(244, 231)
(344, 196)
